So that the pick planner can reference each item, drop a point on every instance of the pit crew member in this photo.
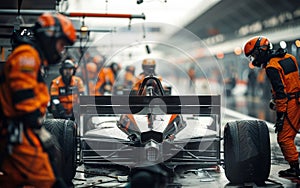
(283, 73)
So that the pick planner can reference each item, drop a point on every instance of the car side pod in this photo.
(247, 154)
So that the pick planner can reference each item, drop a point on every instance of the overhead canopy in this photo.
(230, 19)
(224, 21)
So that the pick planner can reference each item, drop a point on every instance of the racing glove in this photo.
(279, 122)
(57, 109)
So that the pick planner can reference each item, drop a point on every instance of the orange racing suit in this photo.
(284, 77)
(67, 95)
(129, 79)
(105, 82)
(192, 76)
(23, 98)
(138, 83)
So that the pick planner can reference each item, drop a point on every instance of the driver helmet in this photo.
(49, 28)
(257, 49)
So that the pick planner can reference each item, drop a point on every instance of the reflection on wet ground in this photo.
(258, 107)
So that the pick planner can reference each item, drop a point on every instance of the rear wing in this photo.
(196, 150)
(198, 105)
(104, 105)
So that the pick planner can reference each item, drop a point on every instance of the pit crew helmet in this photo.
(91, 67)
(49, 28)
(115, 67)
(257, 49)
(67, 75)
(148, 66)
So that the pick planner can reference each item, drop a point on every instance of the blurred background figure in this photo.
(65, 90)
(230, 83)
(192, 76)
(263, 87)
(98, 60)
(251, 83)
(106, 79)
(92, 72)
(129, 77)
(148, 66)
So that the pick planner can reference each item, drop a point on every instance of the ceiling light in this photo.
(84, 32)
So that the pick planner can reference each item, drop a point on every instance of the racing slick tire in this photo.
(247, 153)
(64, 132)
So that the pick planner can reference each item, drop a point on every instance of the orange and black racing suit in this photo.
(23, 98)
(68, 95)
(105, 82)
(129, 79)
(284, 77)
(137, 84)
(139, 81)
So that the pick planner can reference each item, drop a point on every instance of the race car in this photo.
(176, 132)
(154, 128)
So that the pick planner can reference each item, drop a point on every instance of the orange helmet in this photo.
(91, 69)
(98, 59)
(257, 49)
(148, 62)
(48, 29)
(148, 66)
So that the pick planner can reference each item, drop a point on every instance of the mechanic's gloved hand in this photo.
(279, 122)
(59, 112)
(272, 104)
